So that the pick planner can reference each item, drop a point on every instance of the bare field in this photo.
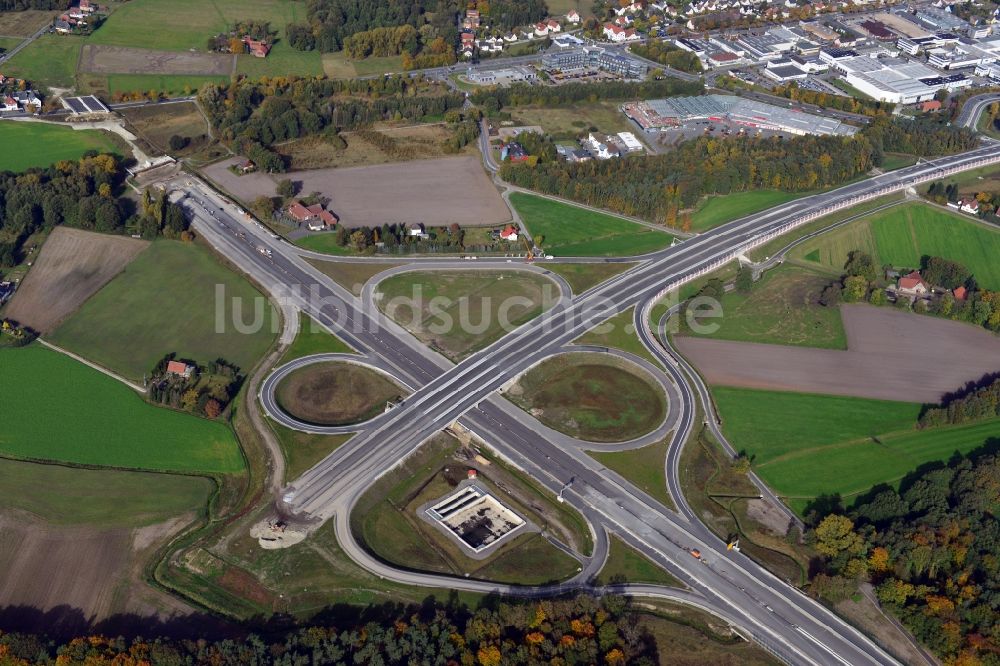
(434, 192)
(71, 267)
(124, 60)
(24, 23)
(158, 122)
(890, 355)
(95, 571)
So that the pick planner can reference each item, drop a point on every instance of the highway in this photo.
(794, 627)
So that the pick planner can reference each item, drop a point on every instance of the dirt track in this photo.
(891, 355)
(97, 59)
(435, 191)
(71, 267)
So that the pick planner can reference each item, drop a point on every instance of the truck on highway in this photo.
(695, 553)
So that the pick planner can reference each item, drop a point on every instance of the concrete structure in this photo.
(475, 518)
(593, 58)
(785, 73)
(87, 105)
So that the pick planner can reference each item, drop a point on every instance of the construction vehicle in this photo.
(527, 246)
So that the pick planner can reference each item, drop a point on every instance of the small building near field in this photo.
(180, 369)
(912, 284)
(959, 293)
(315, 216)
(509, 233)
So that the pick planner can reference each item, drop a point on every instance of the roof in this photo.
(328, 218)
(911, 281)
(509, 230)
(723, 56)
(177, 367)
(959, 293)
(299, 212)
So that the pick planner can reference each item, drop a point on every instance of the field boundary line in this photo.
(76, 357)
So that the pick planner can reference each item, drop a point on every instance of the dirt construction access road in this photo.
(890, 355)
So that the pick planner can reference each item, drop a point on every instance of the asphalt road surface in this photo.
(792, 626)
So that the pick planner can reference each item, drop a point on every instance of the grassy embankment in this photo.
(27, 145)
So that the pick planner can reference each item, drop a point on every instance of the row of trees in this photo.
(21, 5)
(667, 54)
(931, 549)
(581, 630)
(867, 107)
(206, 392)
(978, 403)
(659, 187)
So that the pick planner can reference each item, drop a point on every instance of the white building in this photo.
(632, 144)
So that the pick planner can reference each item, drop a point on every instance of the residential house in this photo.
(509, 233)
(8, 103)
(623, 21)
(63, 26)
(618, 34)
(513, 151)
(541, 29)
(960, 293)
(88, 7)
(573, 16)
(970, 206)
(317, 217)
(468, 38)
(28, 98)
(912, 285)
(471, 20)
(299, 213)
(930, 105)
(259, 48)
(553, 25)
(246, 166)
(416, 230)
(578, 155)
(180, 369)
(323, 221)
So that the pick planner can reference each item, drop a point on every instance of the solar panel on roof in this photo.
(94, 104)
(76, 105)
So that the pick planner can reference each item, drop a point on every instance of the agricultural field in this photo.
(7, 43)
(388, 524)
(24, 23)
(476, 298)
(591, 398)
(170, 85)
(49, 61)
(886, 358)
(720, 209)
(86, 546)
(157, 123)
(782, 308)
(30, 144)
(126, 327)
(71, 266)
(336, 393)
(566, 230)
(806, 445)
(901, 235)
(339, 66)
(91, 419)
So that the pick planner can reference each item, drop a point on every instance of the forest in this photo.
(329, 23)
(253, 115)
(78, 194)
(932, 551)
(580, 630)
(659, 187)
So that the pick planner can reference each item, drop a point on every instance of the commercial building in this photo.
(897, 80)
(656, 114)
(939, 19)
(593, 58)
(785, 73)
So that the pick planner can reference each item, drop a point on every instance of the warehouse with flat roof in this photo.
(655, 114)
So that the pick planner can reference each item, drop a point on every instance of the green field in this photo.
(644, 467)
(893, 161)
(781, 309)
(572, 231)
(183, 25)
(170, 85)
(50, 60)
(325, 243)
(165, 301)
(63, 410)
(720, 209)
(7, 43)
(582, 277)
(591, 398)
(98, 497)
(618, 332)
(302, 450)
(901, 235)
(313, 339)
(339, 66)
(27, 144)
(805, 445)
(459, 312)
(625, 564)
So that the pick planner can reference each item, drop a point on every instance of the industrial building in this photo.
(593, 58)
(655, 114)
(896, 80)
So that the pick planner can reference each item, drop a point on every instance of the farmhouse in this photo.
(180, 369)
(514, 152)
(416, 230)
(259, 48)
(246, 166)
(912, 285)
(959, 293)
(317, 217)
(509, 233)
(573, 16)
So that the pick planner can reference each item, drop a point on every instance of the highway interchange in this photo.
(792, 626)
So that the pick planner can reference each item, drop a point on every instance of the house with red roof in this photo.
(912, 284)
(180, 369)
(959, 293)
(259, 48)
(573, 16)
(509, 233)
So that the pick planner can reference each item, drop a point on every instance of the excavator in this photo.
(530, 256)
